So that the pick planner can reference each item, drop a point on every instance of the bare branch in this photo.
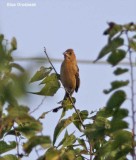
(38, 106)
(49, 60)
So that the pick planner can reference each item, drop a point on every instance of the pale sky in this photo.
(59, 25)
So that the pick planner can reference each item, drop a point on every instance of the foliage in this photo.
(105, 134)
(15, 119)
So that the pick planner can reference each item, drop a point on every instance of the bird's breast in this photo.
(67, 76)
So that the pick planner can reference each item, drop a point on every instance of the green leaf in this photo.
(118, 124)
(83, 115)
(36, 140)
(69, 155)
(113, 29)
(51, 86)
(67, 106)
(116, 56)
(116, 85)
(9, 157)
(39, 75)
(17, 66)
(98, 129)
(132, 44)
(30, 128)
(41, 157)
(1, 38)
(27, 125)
(110, 47)
(69, 140)
(104, 113)
(14, 43)
(4, 147)
(122, 137)
(116, 99)
(134, 37)
(42, 116)
(120, 113)
(52, 154)
(82, 143)
(61, 142)
(60, 127)
(120, 71)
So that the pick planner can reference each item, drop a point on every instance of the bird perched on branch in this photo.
(69, 73)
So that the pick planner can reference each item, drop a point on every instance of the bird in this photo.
(69, 73)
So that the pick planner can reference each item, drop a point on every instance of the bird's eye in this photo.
(70, 53)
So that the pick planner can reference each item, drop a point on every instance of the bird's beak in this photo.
(65, 54)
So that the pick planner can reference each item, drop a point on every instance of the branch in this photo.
(50, 60)
(65, 90)
(38, 106)
(17, 143)
(132, 97)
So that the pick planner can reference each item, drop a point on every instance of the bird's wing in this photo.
(77, 79)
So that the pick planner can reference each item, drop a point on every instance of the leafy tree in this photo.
(105, 134)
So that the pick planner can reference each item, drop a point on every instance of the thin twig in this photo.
(49, 60)
(16, 141)
(37, 152)
(90, 152)
(65, 90)
(76, 111)
(38, 106)
(132, 98)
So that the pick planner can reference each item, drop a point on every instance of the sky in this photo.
(59, 25)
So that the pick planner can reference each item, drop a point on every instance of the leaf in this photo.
(43, 115)
(120, 71)
(27, 125)
(67, 106)
(113, 29)
(39, 75)
(134, 37)
(116, 85)
(110, 47)
(36, 140)
(83, 115)
(132, 44)
(82, 143)
(116, 56)
(9, 157)
(61, 142)
(51, 86)
(4, 147)
(52, 154)
(60, 127)
(69, 140)
(97, 130)
(118, 124)
(122, 137)
(116, 99)
(69, 155)
(14, 43)
(41, 157)
(1, 38)
(17, 66)
(121, 113)
(30, 128)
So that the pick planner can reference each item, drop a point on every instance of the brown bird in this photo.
(69, 73)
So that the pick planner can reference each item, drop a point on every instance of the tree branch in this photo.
(132, 97)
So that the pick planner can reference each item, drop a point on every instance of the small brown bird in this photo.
(69, 73)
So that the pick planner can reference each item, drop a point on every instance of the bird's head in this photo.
(69, 55)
